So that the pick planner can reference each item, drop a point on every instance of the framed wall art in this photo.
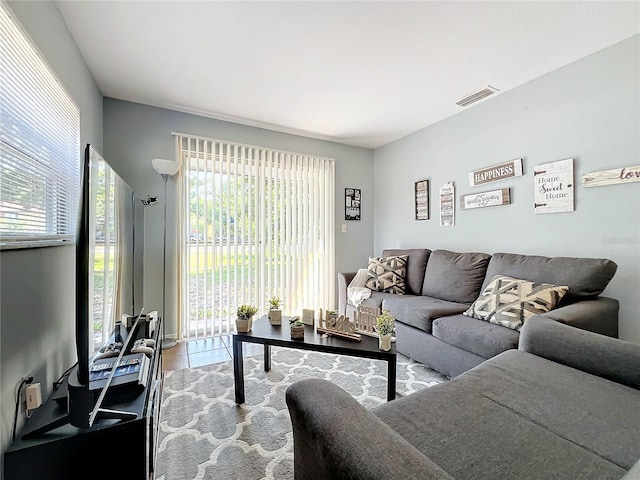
(352, 199)
(553, 187)
(486, 199)
(422, 200)
(509, 169)
(448, 205)
(611, 177)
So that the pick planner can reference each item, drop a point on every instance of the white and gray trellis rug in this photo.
(205, 435)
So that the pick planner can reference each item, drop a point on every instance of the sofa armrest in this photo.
(344, 279)
(599, 315)
(590, 352)
(334, 437)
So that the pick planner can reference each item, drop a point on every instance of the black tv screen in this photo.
(109, 258)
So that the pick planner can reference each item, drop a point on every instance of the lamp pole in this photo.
(165, 342)
(166, 169)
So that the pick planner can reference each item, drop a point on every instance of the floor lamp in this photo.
(166, 169)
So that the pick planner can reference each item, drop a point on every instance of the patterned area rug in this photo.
(205, 435)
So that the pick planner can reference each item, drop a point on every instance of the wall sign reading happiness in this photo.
(496, 172)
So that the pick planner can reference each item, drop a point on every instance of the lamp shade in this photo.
(165, 167)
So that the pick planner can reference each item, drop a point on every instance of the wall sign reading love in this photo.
(612, 177)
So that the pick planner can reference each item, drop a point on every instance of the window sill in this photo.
(39, 243)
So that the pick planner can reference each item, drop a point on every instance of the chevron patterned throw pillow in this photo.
(510, 302)
(387, 274)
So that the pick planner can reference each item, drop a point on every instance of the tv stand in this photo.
(126, 425)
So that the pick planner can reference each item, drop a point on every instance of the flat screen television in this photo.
(109, 257)
(109, 276)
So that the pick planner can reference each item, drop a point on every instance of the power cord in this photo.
(60, 380)
(25, 381)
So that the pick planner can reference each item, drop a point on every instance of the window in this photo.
(39, 145)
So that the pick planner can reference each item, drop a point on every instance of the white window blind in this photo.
(255, 222)
(39, 145)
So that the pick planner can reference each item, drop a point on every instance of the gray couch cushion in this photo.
(476, 336)
(586, 277)
(416, 264)
(376, 299)
(470, 435)
(454, 276)
(421, 311)
(598, 415)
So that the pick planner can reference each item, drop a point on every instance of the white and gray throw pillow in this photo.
(509, 301)
(387, 274)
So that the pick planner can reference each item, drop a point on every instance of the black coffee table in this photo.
(265, 333)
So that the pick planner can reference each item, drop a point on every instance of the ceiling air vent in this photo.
(477, 96)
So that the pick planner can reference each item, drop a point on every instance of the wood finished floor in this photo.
(202, 351)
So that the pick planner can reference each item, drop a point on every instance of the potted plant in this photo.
(385, 325)
(297, 328)
(275, 312)
(244, 318)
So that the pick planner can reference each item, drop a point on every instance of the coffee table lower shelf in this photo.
(268, 335)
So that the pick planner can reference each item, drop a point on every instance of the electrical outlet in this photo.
(34, 396)
(21, 390)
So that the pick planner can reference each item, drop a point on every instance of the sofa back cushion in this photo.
(416, 264)
(454, 276)
(585, 277)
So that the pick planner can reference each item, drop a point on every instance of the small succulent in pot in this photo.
(274, 302)
(275, 312)
(297, 328)
(246, 311)
(296, 323)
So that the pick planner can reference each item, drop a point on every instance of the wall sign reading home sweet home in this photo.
(553, 187)
(496, 172)
(486, 199)
(612, 177)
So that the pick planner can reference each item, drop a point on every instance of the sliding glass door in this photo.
(255, 223)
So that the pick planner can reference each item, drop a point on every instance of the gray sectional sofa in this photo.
(564, 405)
(442, 284)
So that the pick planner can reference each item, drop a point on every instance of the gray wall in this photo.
(37, 286)
(588, 111)
(134, 134)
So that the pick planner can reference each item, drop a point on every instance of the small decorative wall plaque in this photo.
(611, 177)
(486, 199)
(308, 316)
(553, 187)
(496, 172)
(447, 205)
(422, 200)
(352, 203)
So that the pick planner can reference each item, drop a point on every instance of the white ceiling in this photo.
(361, 73)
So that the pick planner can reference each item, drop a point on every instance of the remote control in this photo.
(110, 350)
(142, 349)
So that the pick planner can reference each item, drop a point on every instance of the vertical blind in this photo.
(39, 143)
(256, 222)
